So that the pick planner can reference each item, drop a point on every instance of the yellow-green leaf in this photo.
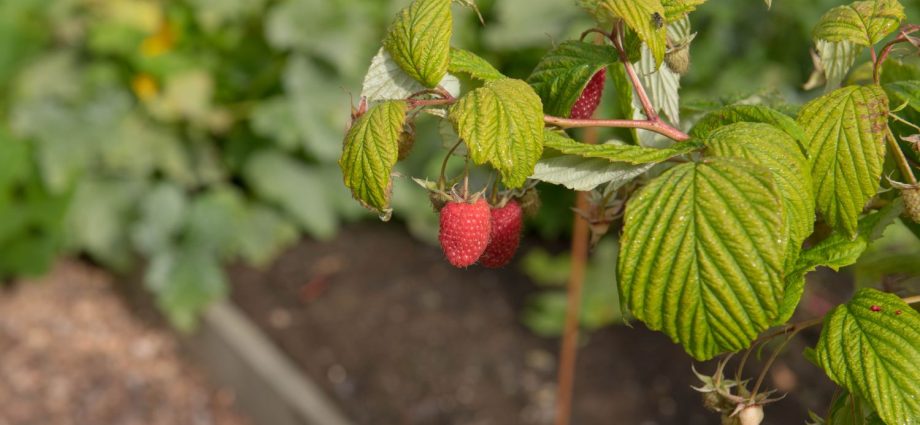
(370, 152)
(862, 22)
(771, 148)
(645, 17)
(702, 255)
(677, 9)
(502, 124)
(419, 40)
(844, 139)
(871, 346)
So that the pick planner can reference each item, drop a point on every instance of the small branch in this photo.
(415, 103)
(569, 350)
(903, 37)
(658, 126)
(650, 111)
(899, 157)
(912, 300)
(595, 31)
(903, 121)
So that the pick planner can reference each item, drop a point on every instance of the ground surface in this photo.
(72, 354)
(397, 336)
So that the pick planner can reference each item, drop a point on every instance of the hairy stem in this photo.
(656, 126)
(903, 37)
(650, 111)
(442, 180)
(899, 158)
(569, 350)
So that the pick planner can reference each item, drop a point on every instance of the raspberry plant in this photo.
(719, 211)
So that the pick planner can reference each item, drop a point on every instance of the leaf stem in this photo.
(899, 157)
(442, 179)
(771, 360)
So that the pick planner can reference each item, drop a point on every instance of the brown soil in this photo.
(72, 354)
(397, 336)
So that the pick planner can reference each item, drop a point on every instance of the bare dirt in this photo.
(71, 353)
(397, 336)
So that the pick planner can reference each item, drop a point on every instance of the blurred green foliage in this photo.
(189, 133)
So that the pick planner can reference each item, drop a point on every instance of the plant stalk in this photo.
(569, 349)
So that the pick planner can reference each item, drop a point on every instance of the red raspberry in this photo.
(591, 97)
(506, 235)
(465, 229)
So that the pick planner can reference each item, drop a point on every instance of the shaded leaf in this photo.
(466, 62)
(617, 152)
(564, 72)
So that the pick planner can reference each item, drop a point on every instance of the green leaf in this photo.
(639, 15)
(904, 91)
(296, 188)
(185, 280)
(702, 255)
(747, 113)
(771, 148)
(466, 62)
(677, 9)
(419, 40)
(562, 75)
(871, 346)
(502, 124)
(844, 138)
(836, 251)
(370, 152)
(862, 22)
(617, 152)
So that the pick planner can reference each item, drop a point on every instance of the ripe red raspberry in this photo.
(506, 235)
(591, 97)
(465, 229)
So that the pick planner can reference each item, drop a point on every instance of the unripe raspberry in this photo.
(465, 230)
(678, 60)
(507, 222)
(590, 98)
